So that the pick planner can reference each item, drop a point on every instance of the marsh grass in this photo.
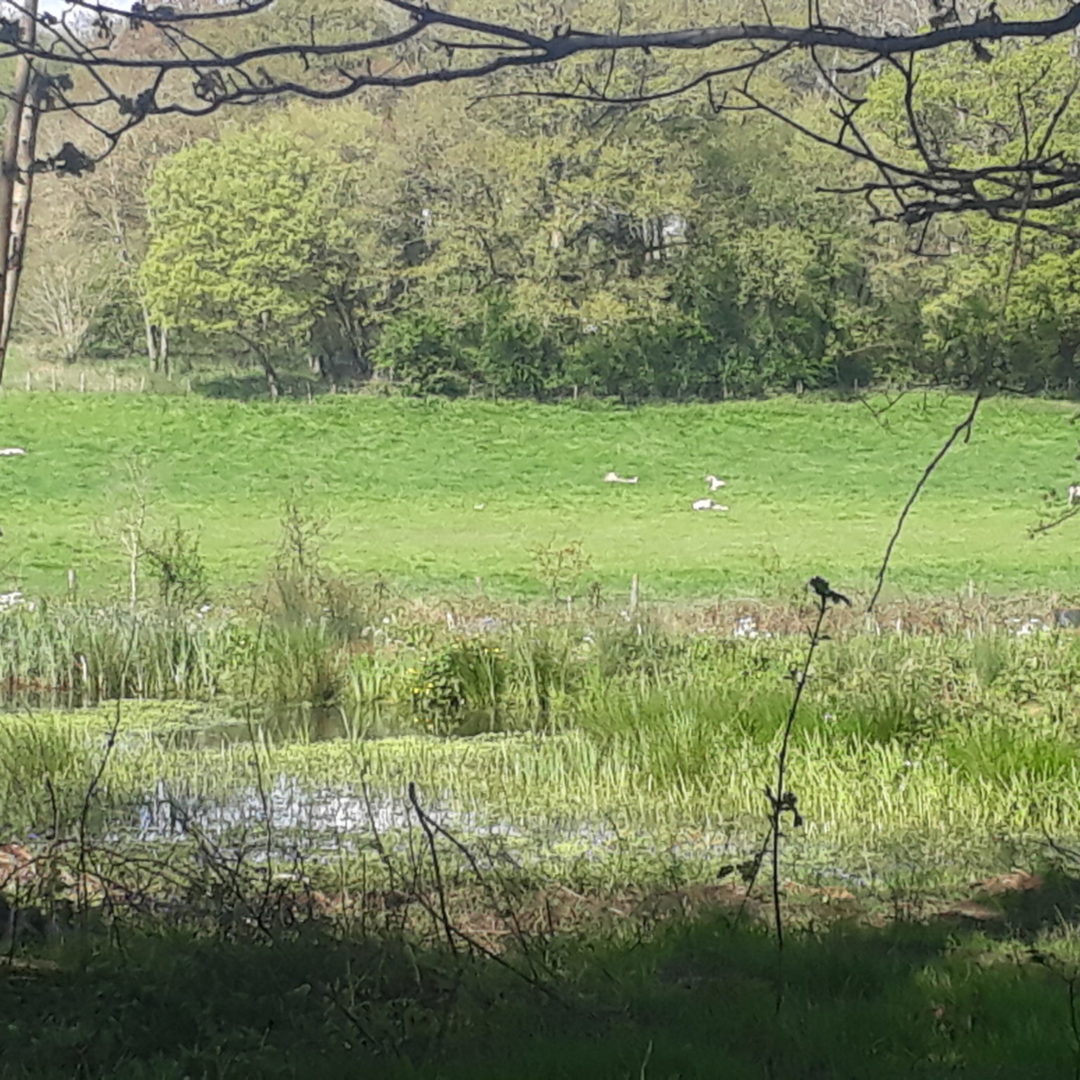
(609, 742)
(87, 653)
(684, 716)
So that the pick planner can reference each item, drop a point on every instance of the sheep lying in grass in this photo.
(614, 478)
(12, 451)
(706, 504)
(1074, 494)
(715, 483)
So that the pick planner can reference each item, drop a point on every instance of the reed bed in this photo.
(576, 730)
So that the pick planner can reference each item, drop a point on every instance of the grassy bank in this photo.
(813, 487)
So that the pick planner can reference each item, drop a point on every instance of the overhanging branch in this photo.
(170, 50)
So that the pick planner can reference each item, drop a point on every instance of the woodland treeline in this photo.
(494, 238)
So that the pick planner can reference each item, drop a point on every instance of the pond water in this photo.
(323, 815)
(320, 822)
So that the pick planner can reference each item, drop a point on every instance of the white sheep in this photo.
(12, 451)
(715, 483)
(614, 478)
(706, 504)
(1074, 494)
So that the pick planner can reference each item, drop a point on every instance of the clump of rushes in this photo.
(465, 680)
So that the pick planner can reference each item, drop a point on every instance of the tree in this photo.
(63, 294)
(234, 224)
(116, 68)
(360, 255)
(536, 228)
(284, 236)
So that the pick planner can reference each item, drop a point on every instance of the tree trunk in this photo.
(353, 332)
(164, 356)
(272, 383)
(17, 151)
(152, 354)
(157, 343)
(28, 129)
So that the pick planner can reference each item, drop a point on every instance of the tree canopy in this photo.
(615, 220)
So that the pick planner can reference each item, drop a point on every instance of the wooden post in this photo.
(73, 584)
(635, 595)
(82, 382)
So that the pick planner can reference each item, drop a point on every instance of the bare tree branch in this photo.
(961, 429)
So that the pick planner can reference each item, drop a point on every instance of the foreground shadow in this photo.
(648, 994)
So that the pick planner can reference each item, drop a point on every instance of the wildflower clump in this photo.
(466, 676)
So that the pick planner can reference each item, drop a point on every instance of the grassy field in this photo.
(813, 488)
(232, 881)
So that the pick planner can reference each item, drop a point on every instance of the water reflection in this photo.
(316, 813)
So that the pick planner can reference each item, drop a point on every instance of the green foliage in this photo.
(235, 223)
(516, 246)
(520, 254)
(175, 561)
(561, 566)
(1002, 310)
(464, 678)
(423, 354)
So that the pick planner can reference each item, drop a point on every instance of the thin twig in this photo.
(440, 889)
(963, 428)
(783, 801)
(1046, 526)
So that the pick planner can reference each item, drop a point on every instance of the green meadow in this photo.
(433, 495)
(213, 859)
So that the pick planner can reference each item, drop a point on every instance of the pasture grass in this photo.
(814, 487)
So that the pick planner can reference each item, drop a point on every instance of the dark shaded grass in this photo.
(691, 999)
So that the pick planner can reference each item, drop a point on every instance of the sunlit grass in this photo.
(813, 487)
